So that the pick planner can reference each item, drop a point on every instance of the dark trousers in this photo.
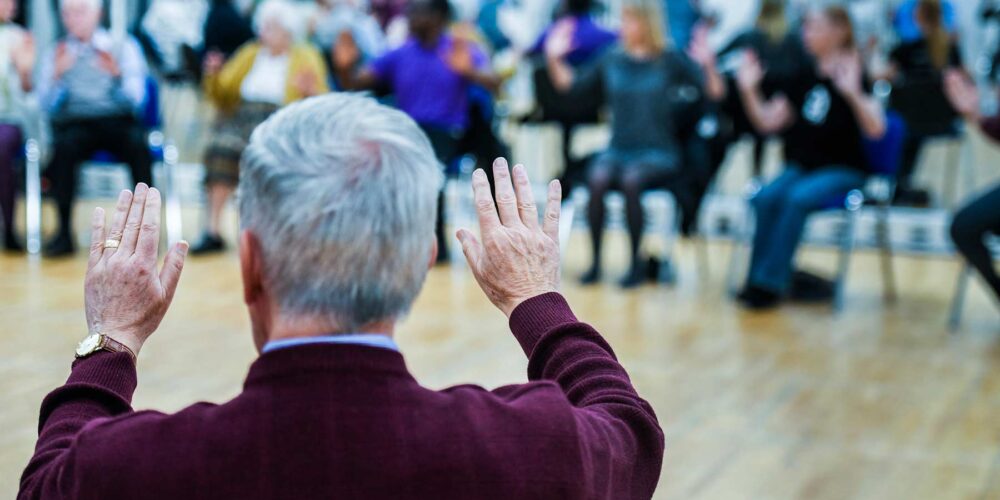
(970, 226)
(445, 143)
(10, 150)
(633, 174)
(76, 141)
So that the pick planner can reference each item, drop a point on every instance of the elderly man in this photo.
(92, 87)
(337, 205)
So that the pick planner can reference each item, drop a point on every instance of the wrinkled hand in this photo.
(213, 62)
(64, 60)
(519, 257)
(125, 297)
(559, 41)
(750, 73)
(962, 94)
(107, 62)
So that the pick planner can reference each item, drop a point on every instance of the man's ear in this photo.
(434, 253)
(251, 267)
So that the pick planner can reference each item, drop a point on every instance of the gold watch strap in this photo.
(110, 344)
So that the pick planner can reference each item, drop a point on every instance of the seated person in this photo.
(17, 62)
(823, 115)
(643, 84)
(337, 210)
(915, 69)
(336, 18)
(92, 87)
(980, 216)
(431, 77)
(261, 77)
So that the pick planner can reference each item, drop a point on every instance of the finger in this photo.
(472, 249)
(485, 210)
(525, 197)
(506, 201)
(553, 206)
(118, 221)
(96, 237)
(149, 231)
(173, 264)
(134, 220)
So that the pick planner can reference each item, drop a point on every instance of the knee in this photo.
(633, 185)
(599, 180)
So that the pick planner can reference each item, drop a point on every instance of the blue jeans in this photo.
(782, 207)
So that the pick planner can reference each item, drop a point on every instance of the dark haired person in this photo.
(644, 84)
(981, 216)
(430, 75)
(915, 68)
(824, 114)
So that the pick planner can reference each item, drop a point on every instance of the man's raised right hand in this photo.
(518, 257)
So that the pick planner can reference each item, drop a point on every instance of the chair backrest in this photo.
(149, 115)
(885, 153)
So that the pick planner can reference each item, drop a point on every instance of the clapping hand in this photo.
(559, 41)
(846, 73)
(750, 73)
(518, 257)
(699, 50)
(213, 62)
(107, 62)
(65, 59)
(23, 56)
(962, 94)
(345, 52)
(125, 296)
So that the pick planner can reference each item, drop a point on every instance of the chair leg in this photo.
(741, 244)
(844, 259)
(952, 162)
(33, 197)
(958, 301)
(668, 272)
(885, 250)
(173, 203)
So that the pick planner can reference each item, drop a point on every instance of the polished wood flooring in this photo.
(877, 402)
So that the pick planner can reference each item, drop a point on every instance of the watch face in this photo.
(88, 344)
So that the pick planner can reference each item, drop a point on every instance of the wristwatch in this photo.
(100, 342)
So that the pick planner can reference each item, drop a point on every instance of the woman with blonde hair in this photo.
(644, 84)
(260, 77)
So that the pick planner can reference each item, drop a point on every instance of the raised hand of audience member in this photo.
(699, 50)
(307, 83)
(23, 58)
(64, 60)
(518, 257)
(459, 58)
(125, 296)
(962, 93)
(559, 41)
(108, 63)
(213, 62)
(750, 73)
(846, 73)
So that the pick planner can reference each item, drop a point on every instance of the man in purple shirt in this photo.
(430, 76)
(336, 215)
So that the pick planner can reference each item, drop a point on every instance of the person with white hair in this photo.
(17, 65)
(337, 207)
(260, 77)
(92, 86)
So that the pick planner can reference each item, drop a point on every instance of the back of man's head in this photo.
(341, 193)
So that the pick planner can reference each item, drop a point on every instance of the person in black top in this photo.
(823, 115)
(915, 71)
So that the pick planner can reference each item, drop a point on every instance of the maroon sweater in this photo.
(349, 421)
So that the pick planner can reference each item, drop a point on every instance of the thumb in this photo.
(471, 247)
(173, 264)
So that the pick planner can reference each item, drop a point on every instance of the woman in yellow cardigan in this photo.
(261, 76)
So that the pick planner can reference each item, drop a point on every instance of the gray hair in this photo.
(342, 194)
(282, 12)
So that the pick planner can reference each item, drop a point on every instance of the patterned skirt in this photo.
(230, 137)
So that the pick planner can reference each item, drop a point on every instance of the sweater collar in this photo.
(314, 360)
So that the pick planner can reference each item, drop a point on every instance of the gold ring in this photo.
(111, 244)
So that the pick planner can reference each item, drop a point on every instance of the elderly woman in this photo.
(260, 77)
(643, 84)
(17, 61)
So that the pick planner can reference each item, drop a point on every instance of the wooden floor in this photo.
(877, 402)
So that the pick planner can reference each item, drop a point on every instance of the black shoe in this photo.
(210, 243)
(757, 298)
(61, 246)
(10, 244)
(635, 276)
(591, 277)
(918, 198)
(810, 288)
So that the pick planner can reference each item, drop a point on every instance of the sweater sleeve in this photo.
(621, 442)
(99, 386)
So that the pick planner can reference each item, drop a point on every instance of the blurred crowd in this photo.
(809, 76)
